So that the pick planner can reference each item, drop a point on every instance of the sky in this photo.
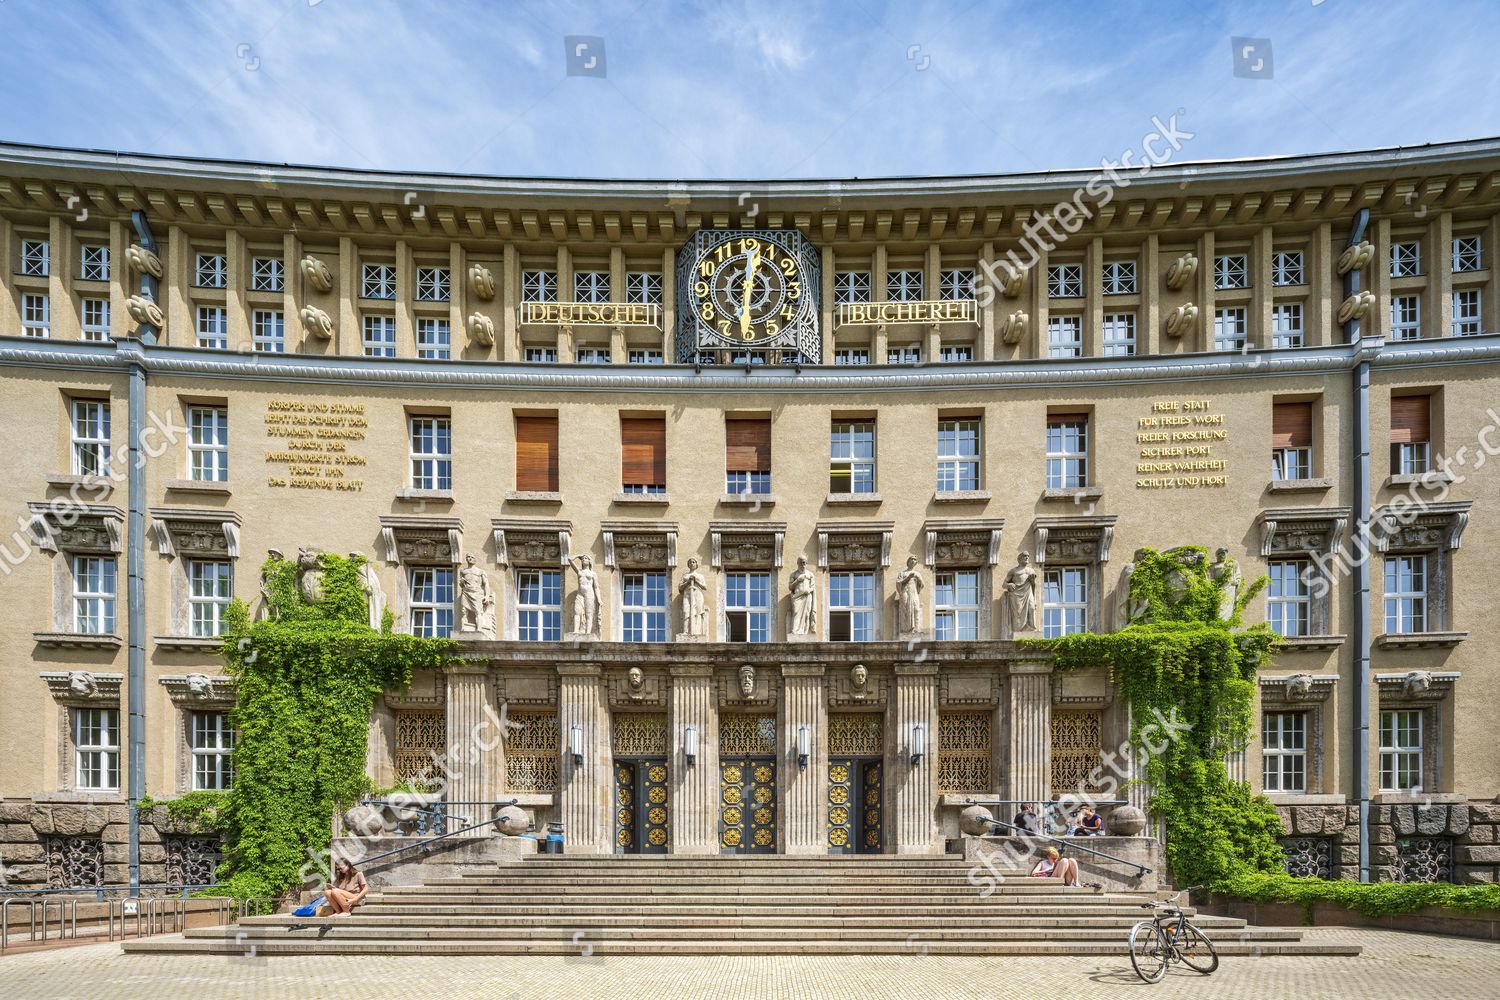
(742, 88)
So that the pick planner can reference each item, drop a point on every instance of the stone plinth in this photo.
(443, 859)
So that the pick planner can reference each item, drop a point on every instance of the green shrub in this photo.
(1373, 899)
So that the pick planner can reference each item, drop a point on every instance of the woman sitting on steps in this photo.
(1054, 864)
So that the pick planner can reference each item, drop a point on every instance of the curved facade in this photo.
(789, 441)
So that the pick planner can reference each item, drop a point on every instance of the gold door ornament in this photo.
(1076, 741)
(421, 741)
(856, 735)
(639, 735)
(963, 751)
(744, 735)
(531, 749)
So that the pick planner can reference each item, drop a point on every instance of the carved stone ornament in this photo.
(184, 531)
(481, 329)
(1013, 326)
(1302, 530)
(421, 539)
(1297, 689)
(317, 273)
(199, 689)
(94, 530)
(1357, 306)
(316, 323)
(1014, 280)
(1430, 526)
(1422, 687)
(482, 281)
(1356, 257)
(84, 687)
(144, 311)
(1181, 321)
(859, 679)
(1181, 271)
(747, 680)
(639, 545)
(857, 686)
(143, 261)
(585, 599)
(476, 601)
(637, 687)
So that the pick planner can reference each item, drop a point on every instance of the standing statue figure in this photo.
(476, 602)
(267, 609)
(694, 592)
(586, 600)
(310, 575)
(1021, 595)
(1127, 610)
(369, 582)
(804, 591)
(1226, 571)
(909, 598)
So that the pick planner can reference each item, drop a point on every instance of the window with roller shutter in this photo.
(1411, 434)
(1291, 441)
(536, 454)
(643, 454)
(747, 456)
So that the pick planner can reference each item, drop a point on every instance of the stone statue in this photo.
(200, 686)
(267, 609)
(859, 676)
(369, 582)
(635, 680)
(476, 602)
(1299, 687)
(83, 683)
(804, 590)
(694, 592)
(1179, 578)
(747, 680)
(1021, 585)
(1226, 571)
(909, 598)
(586, 599)
(1127, 611)
(1416, 682)
(310, 575)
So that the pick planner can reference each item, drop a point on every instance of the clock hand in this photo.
(746, 287)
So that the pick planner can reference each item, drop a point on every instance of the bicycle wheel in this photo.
(1196, 950)
(1148, 951)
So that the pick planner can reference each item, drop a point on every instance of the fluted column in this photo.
(584, 789)
(804, 793)
(1030, 732)
(913, 789)
(695, 787)
(472, 754)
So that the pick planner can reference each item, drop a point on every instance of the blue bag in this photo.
(311, 909)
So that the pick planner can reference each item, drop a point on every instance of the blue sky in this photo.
(751, 88)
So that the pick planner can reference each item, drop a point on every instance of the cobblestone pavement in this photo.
(1394, 966)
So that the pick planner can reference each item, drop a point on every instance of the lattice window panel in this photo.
(963, 752)
(856, 735)
(747, 735)
(420, 735)
(1424, 859)
(192, 860)
(1076, 741)
(1308, 857)
(531, 752)
(74, 861)
(639, 735)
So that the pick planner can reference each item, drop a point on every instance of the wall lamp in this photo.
(804, 747)
(918, 743)
(690, 744)
(575, 742)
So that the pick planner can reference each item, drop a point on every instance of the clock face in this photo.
(746, 289)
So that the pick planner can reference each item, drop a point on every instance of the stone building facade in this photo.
(738, 515)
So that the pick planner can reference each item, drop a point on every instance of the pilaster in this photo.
(804, 792)
(913, 787)
(695, 786)
(584, 799)
(1030, 731)
(473, 750)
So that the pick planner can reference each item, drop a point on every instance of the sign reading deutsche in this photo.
(592, 313)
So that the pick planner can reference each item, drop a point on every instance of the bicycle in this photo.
(1169, 937)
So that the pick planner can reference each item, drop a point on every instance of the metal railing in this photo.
(1054, 811)
(1069, 843)
(426, 845)
(432, 817)
(122, 916)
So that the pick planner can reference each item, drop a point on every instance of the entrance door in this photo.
(856, 783)
(747, 784)
(641, 807)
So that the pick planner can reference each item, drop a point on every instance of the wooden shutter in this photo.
(643, 451)
(748, 445)
(1411, 419)
(536, 454)
(1291, 425)
(1060, 419)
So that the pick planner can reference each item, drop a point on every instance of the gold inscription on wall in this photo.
(1177, 443)
(315, 440)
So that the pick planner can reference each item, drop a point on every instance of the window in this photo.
(1065, 601)
(646, 356)
(536, 454)
(210, 586)
(958, 455)
(93, 263)
(432, 601)
(956, 604)
(1401, 751)
(432, 284)
(1065, 281)
(1286, 325)
(90, 433)
(94, 595)
(1405, 594)
(747, 606)
(643, 286)
(955, 352)
(539, 597)
(1466, 321)
(591, 286)
(1289, 598)
(546, 355)
(96, 749)
(35, 258)
(851, 286)
(1229, 329)
(378, 281)
(1064, 336)
(1468, 254)
(538, 286)
(904, 354)
(851, 356)
(1119, 277)
(852, 457)
(1231, 271)
(851, 607)
(904, 286)
(431, 453)
(36, 315)
(1406, 260)
(96, 319)
(645, 607)
(434, 339)
(1067, 450)
(1291, 441)
(208, 444)
(213, 327)
(1411, 434)
(379, 336)
(211, 742)
(1119, 334)
(1284, 751)
(267, 274)
(1286, 268)
(643, 454)
(1406, 317)
(747, 458)
(269, 327)
(593, 355)
(956, 283)
(210, 271)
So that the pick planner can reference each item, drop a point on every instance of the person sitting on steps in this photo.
(348, 890)
(1053, 864)
(1090, 823)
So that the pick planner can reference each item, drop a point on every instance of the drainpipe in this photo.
(135, 561)
(1360, 449)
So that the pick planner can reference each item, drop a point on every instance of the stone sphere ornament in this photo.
(512, 821)
(1126, 821)
(975, 821)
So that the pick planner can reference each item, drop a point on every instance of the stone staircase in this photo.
(681, 905)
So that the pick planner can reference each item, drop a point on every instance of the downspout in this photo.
(1360, 563)
(135, 560)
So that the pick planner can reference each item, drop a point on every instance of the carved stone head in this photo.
(307, 559)
(1023, 558)
(585, 562)
(747, 680)
(692, 563)
(1417, 682)
(1221, 554)
(1299, 686)
(469, 559)
(83, 683)
(200, 685)
(636, 678)
(859, 676)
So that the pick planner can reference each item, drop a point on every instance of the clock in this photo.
(748, 290)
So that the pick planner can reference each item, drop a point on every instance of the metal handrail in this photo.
(1069, 842)
(100, 890)
(425, 844)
